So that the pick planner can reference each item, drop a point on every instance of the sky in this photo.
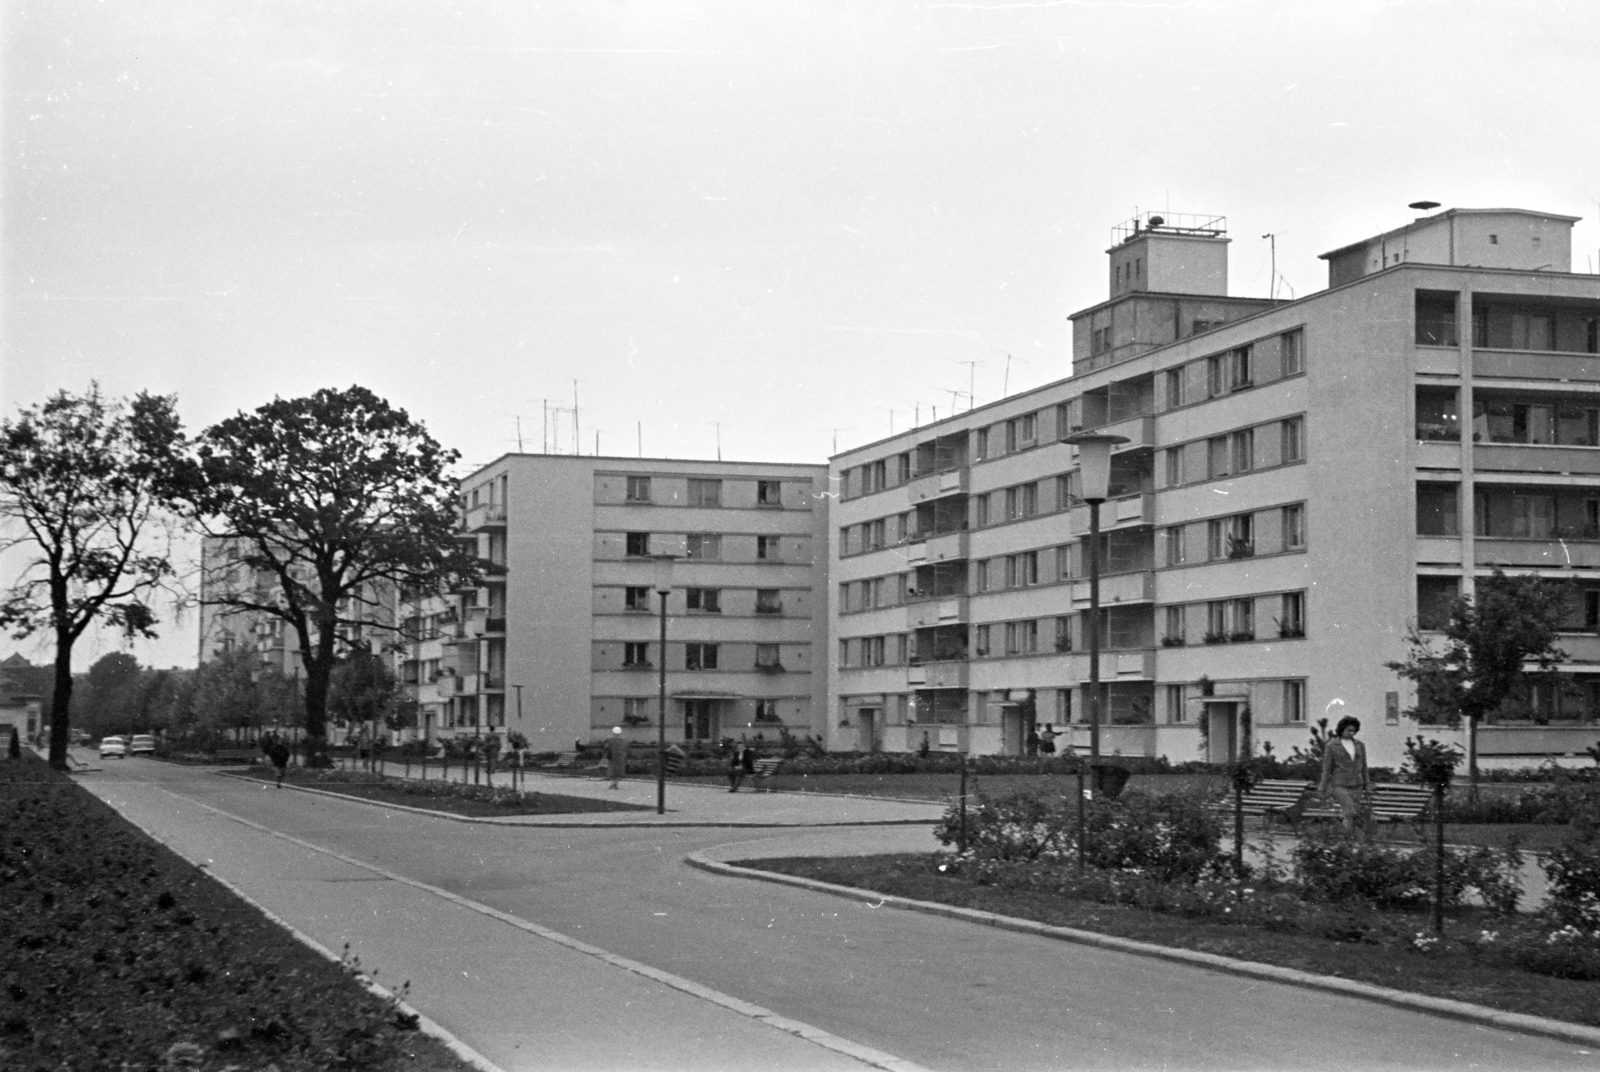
(772, 229)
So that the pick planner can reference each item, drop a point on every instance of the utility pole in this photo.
(1272, 284)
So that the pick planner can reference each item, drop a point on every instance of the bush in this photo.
(1331, 866)
(1574, 874)
(1559, 803)
(1020, 826)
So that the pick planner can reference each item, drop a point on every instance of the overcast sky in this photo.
(784, 224)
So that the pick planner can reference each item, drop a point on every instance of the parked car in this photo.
(78, 737)
(142, 745)
(113, 746)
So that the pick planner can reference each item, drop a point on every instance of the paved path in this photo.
(599, 948)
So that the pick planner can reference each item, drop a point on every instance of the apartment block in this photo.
(1301, 483)
(561, 640)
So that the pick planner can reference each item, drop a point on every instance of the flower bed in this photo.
(458, 798)
(119, 954)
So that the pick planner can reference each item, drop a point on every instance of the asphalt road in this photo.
(927, 991)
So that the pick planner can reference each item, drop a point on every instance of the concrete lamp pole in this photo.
(1094, 475)
(663, 587)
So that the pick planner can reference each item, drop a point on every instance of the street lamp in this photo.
(663, 587)
(1094, 474)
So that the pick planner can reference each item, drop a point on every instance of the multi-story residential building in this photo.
(561, 639)
(1299, 487)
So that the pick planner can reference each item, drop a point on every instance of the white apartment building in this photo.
(1300, 484)
(561, 640)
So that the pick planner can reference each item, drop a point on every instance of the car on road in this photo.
(113, 746)
(142, 745)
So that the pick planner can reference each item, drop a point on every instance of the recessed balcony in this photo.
(485, 517)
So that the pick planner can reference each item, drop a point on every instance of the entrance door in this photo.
(700, 722)
(1222, 738)
(1013, 731)
(867, 729)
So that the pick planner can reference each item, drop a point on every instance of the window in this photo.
(1533, 516)
(1217, 622)
(1064, 562)
(767, 657)
(704, 545)
(1013, 503)
(1030, 499)
(1292, 618)
(980, 639)
(635, 654)
(980, 510)
(980, 575)
(769, 601)
(705, 492)
(706, 600)
(1243, 625)
(844, 652)
(1174, 379)
(1067, 490)
(1021, 432)
(767, 711)
(638, 489)
(1064, 419)
(1174, 465)
(873, 531)
(636, 711)
(1291, 352)
(1173, 697)
(1176, 630)
(1176, 552)
(1239, 367)
(699, 656)
(1022, 638)
(636, 598)
(638, 544)
(767, 548)
(1064, 633)
(1294, 701)
(1028, 567)
(1244, 450)
(1294, 527)
(1217, 456)
(1064, 707)
(1216, 369)
(902, 468)
(1294, 447)
(1241, 536)
(1436, 319)
(844, 598)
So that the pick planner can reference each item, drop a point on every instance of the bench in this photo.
(1268, 799)
(765, 769)
(1386, 803)
(563, 760)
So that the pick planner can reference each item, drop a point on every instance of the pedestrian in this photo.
(1047, 740)
(617, 755)
(278, 752)
(741, 761)
(1033, 739)
(1344, 772)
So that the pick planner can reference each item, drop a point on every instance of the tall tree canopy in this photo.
(324, 507)
(86, 481)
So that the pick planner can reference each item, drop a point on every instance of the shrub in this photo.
(1574, 873)
(1331, 866)
(1019, 826)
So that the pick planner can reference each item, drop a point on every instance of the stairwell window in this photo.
(636, 598)
(635, 654)
(769, 493)
(699, 656)
(639, 489)
(638, 544)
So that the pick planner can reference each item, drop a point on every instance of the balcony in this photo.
(1136, 587)
(938, 675)
(935, 485)
(1536, 365)
(1540, 458)
(933, 612)
(485, 517)
(1538, 554)
(1136, 509)
(945, 545)
(490, 568)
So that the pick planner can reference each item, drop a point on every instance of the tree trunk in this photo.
(317, 677)
(61, 702)
(1472, 757)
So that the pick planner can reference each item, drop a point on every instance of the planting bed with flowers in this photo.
(457, 798)
(1327, 903)
(118, 954)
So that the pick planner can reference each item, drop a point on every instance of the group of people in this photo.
(1043, 742)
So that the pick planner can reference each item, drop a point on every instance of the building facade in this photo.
(1300, 484)
(560, 641)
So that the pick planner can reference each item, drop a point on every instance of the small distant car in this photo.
(142, 745)
(113, 746)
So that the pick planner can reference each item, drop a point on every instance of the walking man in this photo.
(617, 755)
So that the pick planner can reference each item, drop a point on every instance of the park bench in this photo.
(564, 761)
(1269, 799)
(1387, 803)
(764, 770)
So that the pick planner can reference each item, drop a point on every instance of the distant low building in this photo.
(21, 698)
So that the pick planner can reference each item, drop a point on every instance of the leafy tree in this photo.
(88, 481)
(363, 689)
(1480, 659)
(325, 505)
(106, 699)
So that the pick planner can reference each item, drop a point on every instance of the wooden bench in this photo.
(1390, 802)
(1269, 799)
(765, 769)
(564, 760)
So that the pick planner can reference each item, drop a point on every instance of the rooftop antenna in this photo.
(544, 444)
(1005, 382)
(575, 440)
(718, 426)
(640, 428)
(971, 374)
(519, 433)
(1272, 280)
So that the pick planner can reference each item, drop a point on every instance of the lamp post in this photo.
(1094, 468)
(663, 587)
(518, 774)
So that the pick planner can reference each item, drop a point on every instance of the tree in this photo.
(363, 689)
(89, 481)
(1482, 656)
(325, 506)
(106, 699)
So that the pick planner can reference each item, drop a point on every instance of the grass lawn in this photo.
(120, 954)
(453, 797)
(1451, 973)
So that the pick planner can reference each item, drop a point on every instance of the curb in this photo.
(1445, 1007)
(486, 820)
(424, 1024)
